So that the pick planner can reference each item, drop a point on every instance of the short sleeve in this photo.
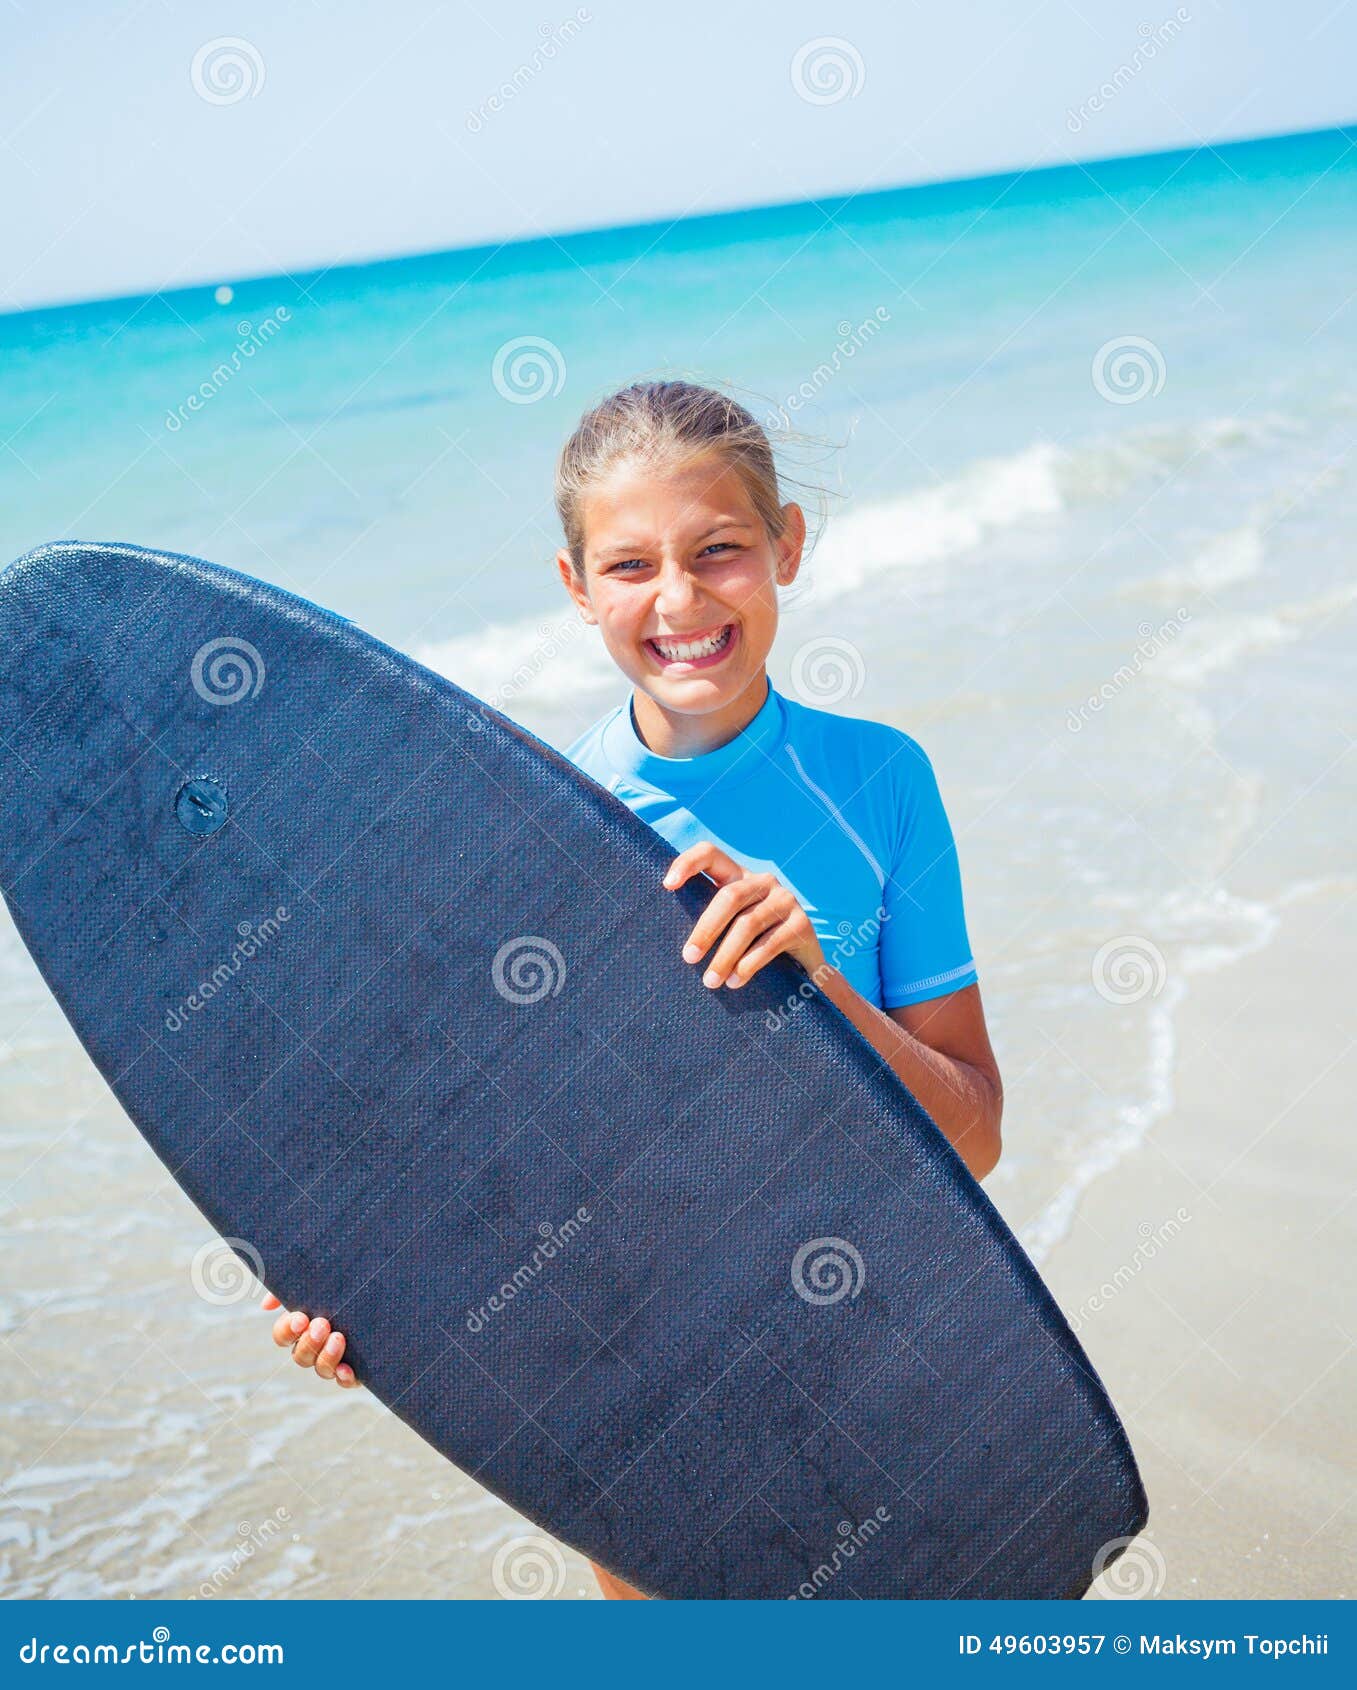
(925, 950)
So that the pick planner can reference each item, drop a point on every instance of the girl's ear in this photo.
(565, 565)
(791, 542)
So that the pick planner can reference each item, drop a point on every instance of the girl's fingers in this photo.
(309, 1345)
(754, 923)
(704, 857)
(328, 1359)
(722, 910)
(270, 1301)
(313, 1345)
(287, 1327)
(775, 942)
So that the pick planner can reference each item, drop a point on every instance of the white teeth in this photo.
(687, 651)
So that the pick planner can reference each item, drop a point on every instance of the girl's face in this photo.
(681, 577)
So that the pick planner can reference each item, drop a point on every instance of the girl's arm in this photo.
(940, 1049)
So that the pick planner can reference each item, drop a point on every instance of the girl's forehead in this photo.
(693, 496)
(698, 480)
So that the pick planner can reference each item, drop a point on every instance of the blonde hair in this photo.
(664, 422)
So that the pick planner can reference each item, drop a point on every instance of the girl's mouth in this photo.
(703, 652)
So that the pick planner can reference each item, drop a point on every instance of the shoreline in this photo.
(1204, 1278)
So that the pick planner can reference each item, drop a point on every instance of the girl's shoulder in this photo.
(841, 755)
(856, 748)
(586, 749)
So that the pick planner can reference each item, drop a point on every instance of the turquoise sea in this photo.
(1084, 442)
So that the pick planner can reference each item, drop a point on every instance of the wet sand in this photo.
(1227, 1338)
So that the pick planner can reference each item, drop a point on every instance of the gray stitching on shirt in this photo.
(934, 979)
(838, 815)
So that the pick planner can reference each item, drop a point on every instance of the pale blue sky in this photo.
(367, 131)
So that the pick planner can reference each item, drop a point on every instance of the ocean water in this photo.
(1086, 453)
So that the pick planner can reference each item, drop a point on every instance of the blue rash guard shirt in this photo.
(846, 813)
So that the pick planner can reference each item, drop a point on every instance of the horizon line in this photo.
(585, 231)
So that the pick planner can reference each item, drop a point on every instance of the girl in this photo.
(825, 835)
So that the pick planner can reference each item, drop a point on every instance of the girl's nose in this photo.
(676, 590)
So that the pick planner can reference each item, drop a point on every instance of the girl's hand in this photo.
(313, 1343)
(760, 917)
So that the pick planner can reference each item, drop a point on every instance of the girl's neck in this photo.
(674, 733)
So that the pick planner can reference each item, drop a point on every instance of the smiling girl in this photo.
(825, 835)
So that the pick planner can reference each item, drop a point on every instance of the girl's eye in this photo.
(629, 563)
